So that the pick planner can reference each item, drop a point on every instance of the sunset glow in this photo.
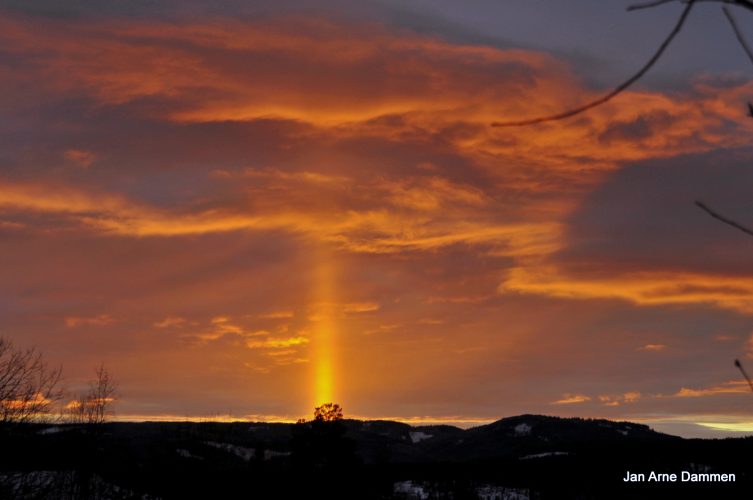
(252, 210)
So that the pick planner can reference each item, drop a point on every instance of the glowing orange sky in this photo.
(251, 217)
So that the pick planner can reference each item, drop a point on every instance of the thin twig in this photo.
(617, 90)
(745, 4)
(742, 370)
(724, 219)
(648, 5)
(738, 33)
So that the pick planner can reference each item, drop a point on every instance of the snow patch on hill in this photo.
(239, 451)
(187, 454)
(418, 436)
(51, 430)
(544, 455)
(522, 429)
(422, 490)
(270, 454)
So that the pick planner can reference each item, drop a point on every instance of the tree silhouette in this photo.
(29, 388)
(322, 443)
(328, 412)
(95, 406)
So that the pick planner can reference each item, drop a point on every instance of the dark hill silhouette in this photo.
(527, 456)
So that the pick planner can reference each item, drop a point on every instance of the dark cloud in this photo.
(642, 127)
(644, 217)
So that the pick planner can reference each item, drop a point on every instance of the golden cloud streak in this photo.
(731, 387)
(391, 231)
(569, 399)
(653, 347)
(382, 231)
(37, 401)
(276, 343)
(620, 399)
(642, 288)
(100, 320)
(170, 322)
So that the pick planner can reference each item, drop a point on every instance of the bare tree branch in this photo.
(742, 370)
(618, 89)
(648, 5)
(95, 406)
(738, 33)
(724, 219)
(28, 386)
(745, 4)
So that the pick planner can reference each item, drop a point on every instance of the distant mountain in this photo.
(513, 437)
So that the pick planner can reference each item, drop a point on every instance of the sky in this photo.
(245, 209)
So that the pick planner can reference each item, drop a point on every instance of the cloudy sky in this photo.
(246, 209)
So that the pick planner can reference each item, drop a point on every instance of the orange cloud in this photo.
(433, 193)
(80, 157)
(37, 402)
(274, 174)
(276, 343)
(648, 288)
(383, 230)
(620, 399)
(171, 321)
(360, 307)
(100, 320)
(653, 347)
(366, 81)
(731, 387)
(369, 82)
(382, 329)
(569, 399)
(277, 315)
(219, 327)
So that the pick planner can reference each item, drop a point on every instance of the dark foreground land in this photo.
(525, 457)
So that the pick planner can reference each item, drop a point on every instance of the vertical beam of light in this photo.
(324, 333)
